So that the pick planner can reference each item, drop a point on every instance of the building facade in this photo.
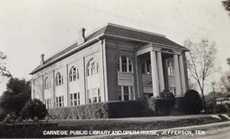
(115, 63)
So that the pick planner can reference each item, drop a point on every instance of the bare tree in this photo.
(225, 82)
(225, 79)
(201, 62)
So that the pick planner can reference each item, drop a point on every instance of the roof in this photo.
(115, 31)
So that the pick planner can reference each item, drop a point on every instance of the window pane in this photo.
(124, 64)
(75, 96)
(130, 66)
(126, 90)
(78, 96)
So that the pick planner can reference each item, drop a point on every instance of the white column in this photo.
(84, 86)
(43, 89)
(54, 86)
(161, 74)
(122, 93)
(154, 70)
(177, 75)
(130, 95)
(32, 88)
(133, 93)
(120, 64)
(104, 71)
(183, 81)
(67, 86)
(127, 65)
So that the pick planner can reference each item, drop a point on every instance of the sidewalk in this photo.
(212, 128)
(152, 122)
(137, 119)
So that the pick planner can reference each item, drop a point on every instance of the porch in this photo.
(160, 68)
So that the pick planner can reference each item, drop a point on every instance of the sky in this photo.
(29, 28)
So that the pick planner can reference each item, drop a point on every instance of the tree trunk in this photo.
(203, 100)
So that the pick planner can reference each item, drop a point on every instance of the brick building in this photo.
(115, 63)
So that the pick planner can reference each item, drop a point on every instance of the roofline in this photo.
(97, 38)
(138, 40)
(136, 30)
(81, 46)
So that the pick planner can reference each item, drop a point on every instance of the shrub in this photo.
(222, 108)
(16, 96)
(102, 110)
(165, 103)
(34, 109)
(192, 103)
(162, 105)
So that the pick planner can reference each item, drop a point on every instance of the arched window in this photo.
(59, 79)
(46, 83)
(125, 64)
(73, 74)
(92, 67)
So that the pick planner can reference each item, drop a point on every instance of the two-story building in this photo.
(115, 63)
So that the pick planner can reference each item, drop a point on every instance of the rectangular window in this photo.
(75, 99)
(170, 67)
(48, 103)
(126, 93)
(148, 66)
(130, 65)
(60, 101)
(94, 99)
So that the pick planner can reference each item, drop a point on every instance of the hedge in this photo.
(102, 110)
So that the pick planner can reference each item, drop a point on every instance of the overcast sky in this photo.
(31, 27)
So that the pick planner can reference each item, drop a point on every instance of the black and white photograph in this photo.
(115, 69)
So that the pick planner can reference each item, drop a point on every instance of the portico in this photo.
(160, 68)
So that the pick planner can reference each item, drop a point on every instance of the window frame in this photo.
(46, 83)
(75, 101)
(73, 74)
(125, 64)
(59, 79)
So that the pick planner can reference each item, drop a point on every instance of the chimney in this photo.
(83, 34)
(42, 59)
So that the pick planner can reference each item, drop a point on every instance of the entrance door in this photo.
(169, 72)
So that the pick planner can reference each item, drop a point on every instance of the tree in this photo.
(228, 61)
(201, 63)
(34, 109)
(16, 95)
(226, 4)
(192, 103)
(3, 68)
(225, 82)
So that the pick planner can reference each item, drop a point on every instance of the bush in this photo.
(34, 109)
(102, 110)
(15, 97)
(222, 108)
(165, 104)
(192, 103)
(162, 105)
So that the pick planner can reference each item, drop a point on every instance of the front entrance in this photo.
(169, 72)
(145, 73)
